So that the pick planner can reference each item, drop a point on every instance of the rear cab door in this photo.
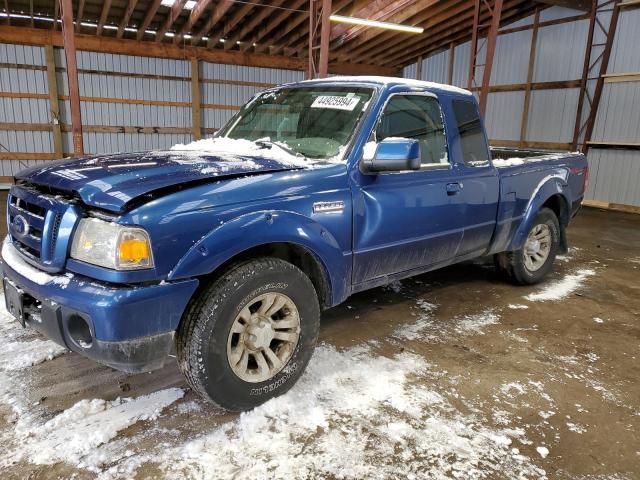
(478, 178)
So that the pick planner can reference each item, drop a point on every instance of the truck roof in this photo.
(391, 81)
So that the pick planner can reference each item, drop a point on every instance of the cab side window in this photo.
(475, 151)
(418, 117)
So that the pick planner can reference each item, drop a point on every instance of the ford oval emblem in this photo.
(20, 226)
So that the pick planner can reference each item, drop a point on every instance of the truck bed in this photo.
(507, 157)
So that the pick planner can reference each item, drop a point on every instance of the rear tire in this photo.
(533, 262)
(255, 306)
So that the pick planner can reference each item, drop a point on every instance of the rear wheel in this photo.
(249, 335)
(535, 259)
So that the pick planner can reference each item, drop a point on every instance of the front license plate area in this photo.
(14, 298)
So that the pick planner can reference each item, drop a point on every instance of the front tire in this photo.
(533, 262)
(248, 336)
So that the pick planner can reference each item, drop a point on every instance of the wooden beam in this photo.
(584, 5)
(273, 23)
(194, 16)
(126, 17)
(531, 144)
(442, 34)
(524, 123)
(218, 12)
(106, 5)
(174, 13)
(37, 36)
(72, 75)
(250, 25)
(79, 15)
(380, 10)
(621, 77)
(452, 55)
(148, 18)
(196, 117)
(54, 106)
(229, 25)
(617, 207)
(56, 12)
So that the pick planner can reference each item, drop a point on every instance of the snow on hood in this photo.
(112, 181)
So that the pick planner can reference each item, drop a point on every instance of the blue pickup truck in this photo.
(227, 249)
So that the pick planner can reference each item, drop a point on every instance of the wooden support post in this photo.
(72, 75)
(54, 105)
(319, 36)
(196, 118)
(492, 37)
(419, 68)
(524, 125)
(452, 55)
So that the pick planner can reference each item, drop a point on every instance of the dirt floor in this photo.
(453, 374)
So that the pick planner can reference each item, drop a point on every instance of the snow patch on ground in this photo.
(518, 306)
(357, 415)
(562, 288)
(76, 432)
(427, 328)
(395, 286)
(22, 348)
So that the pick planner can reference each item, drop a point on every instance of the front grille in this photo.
(26, 224)
(35, 221)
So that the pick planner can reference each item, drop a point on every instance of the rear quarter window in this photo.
(473, 143)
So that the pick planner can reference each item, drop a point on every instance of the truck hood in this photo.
(112, 181)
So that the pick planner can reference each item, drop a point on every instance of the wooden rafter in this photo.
(251, 25)
(446, 25)
(375, 10)
(291, 24)
(230, 25)
(174, 13)
(273, 23)
(126, 17)
(195, 14)
(56, 11)
(218, 12)
(151, 12)
(79, 15)
(301, 34)
(456, 34)
(106, 5)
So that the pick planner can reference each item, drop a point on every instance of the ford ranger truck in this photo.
(226, 250)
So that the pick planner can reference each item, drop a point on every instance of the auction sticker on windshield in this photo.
(335, 102)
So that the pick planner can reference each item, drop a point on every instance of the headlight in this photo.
(111, 245)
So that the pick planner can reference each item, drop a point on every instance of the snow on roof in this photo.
(393, 80)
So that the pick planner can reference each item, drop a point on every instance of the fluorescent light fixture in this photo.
(376, 24)
(189, 4)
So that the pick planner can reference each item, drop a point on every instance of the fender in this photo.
(553, 184)
(262, 228)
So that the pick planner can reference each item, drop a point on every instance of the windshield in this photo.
(316, 122)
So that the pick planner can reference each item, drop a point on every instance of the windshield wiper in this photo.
(269, 144)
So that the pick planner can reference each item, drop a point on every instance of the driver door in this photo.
(412, 219)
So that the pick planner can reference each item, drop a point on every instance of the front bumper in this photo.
(130, 328)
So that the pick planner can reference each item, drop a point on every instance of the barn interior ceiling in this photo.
(279, 27)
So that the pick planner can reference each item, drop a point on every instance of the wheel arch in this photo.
(286, 235)
(551, 193)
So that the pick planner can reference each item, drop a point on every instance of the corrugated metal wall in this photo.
(615, 174)
(128, 103)
(560, 51)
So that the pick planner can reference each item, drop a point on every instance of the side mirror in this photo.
(395, 155)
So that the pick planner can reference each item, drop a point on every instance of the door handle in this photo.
(453, 188)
